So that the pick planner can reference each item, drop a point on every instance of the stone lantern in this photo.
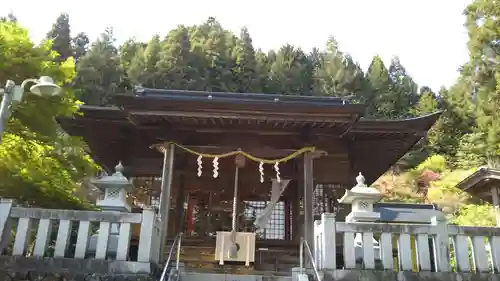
(361, 197)
(115, 189)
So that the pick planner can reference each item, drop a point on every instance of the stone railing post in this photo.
(146, 237)
(5, 207)
(328, 253)
(318, 246)
(441, 244)
(156, 252)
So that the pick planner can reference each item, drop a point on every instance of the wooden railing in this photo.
(66, 233)
(435, 247)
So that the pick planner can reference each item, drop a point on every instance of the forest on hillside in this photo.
(42, 166)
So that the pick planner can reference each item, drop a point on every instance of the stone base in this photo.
(362, 217)
(35, 265)
(68, 276)
(381, 275)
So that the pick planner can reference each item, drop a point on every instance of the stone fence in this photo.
(83, 235)
(436, 247)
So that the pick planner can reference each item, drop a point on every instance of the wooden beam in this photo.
(397, 132)
(329, 162)
(251, 115)
(260, 152)
(141, 140)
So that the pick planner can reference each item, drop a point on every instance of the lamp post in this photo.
(13, 94)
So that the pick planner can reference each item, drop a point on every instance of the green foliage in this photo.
(435, 163)
(475, 215)
(209, 57)
(39, 164)
(483, 24)
(445, 194)
(199, 57)
(472, 103)
(337, 74)
(427, 103)
(60, 34)
(399, 188)
(80, 45)
(446, 134)
(433, 182)
(99, 74)
(404, 90)
(246, 64)
(469, 151)
(9, 18)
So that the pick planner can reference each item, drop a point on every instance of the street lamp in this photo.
(13, 94)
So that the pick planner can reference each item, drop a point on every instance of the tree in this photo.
(479, 215)
(99, 74)
(445, 136)
(179, 62)
(262, 70)
(404, 89)
(128, 50)
(218, 46)
(60, 34)
(80, 44)
(336, 74)
(483, 24)
(143, 67)
(9, 18)
(380, 105)
(427, 102)
(290, 72)
(246, 64)
(39, 164)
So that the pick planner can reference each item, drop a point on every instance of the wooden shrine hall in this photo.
(212, 163)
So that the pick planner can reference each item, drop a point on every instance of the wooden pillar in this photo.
(295, 209)
(179, 208)
(287, 219)
(496, 203)
(208, 226)
(189, 215)
(308, 201)
(166, 189)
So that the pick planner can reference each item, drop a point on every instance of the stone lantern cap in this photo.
(116, 180)
(361, 192)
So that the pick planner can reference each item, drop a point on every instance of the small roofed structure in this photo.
(484, 184)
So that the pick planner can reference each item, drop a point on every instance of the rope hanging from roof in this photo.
(261, 161)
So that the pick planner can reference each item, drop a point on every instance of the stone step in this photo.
(198, 276)
(202, 258)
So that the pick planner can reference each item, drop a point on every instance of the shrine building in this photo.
(244, 169)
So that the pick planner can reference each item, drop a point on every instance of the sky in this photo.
(427, 35)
